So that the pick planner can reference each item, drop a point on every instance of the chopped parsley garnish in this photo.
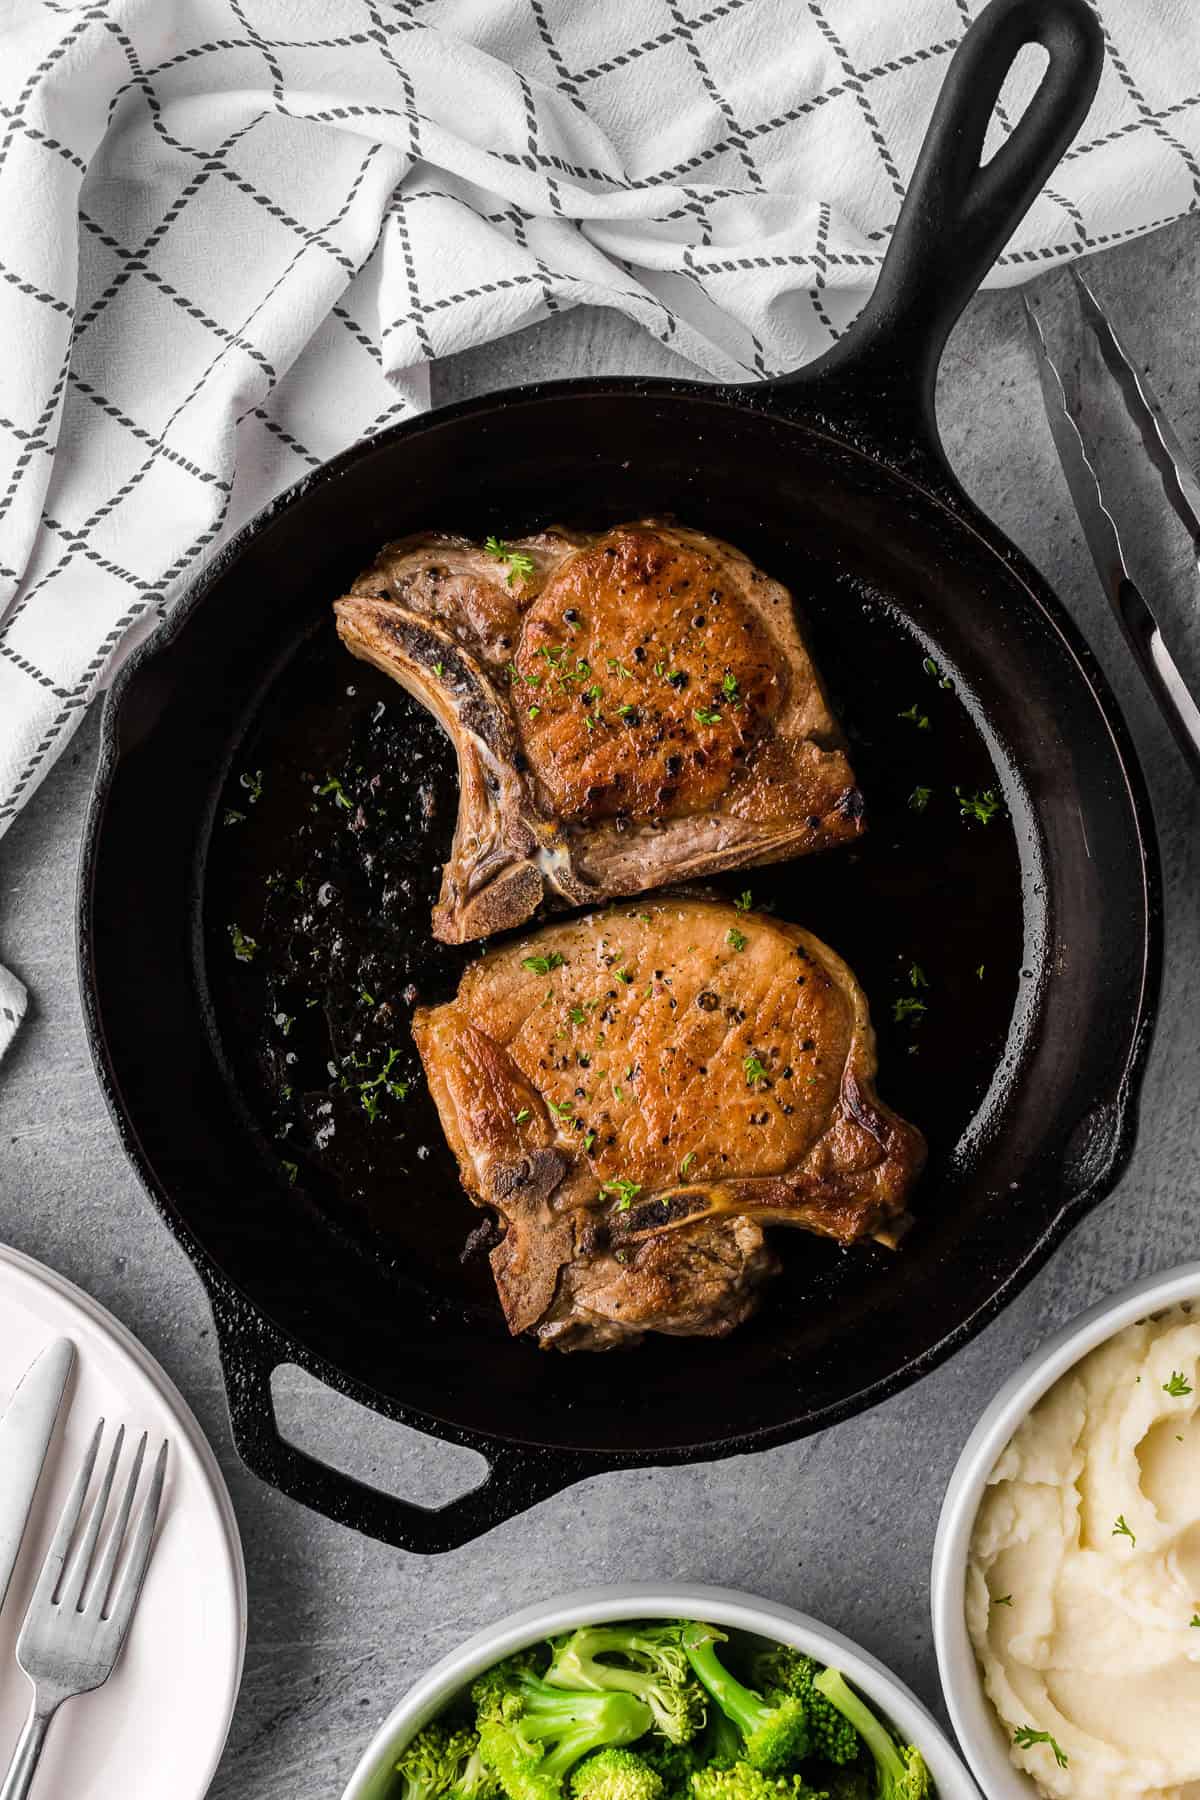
(562, 1109)
(907, 1008)
(1194, 1621)
(285, 1021)
(708, 715)
(982, 806)
(979, 971)
(253, 786)
(231, 816)
(916, 717)
(1002, 1600)
(622, 974)
(743, 901)
(534, 711)
(542, 965)
(589, 1140)
(729, 685)
(1178, 1386)
(577, 1015)
(1121, 1529)
(919, 799)
(756, 1070)
(333, 786)
(291, 1170)
(439, 668)
(367, 999)
(521, 1116)
(686, 1164)
(518, 562)
(736, 939)
(371, 1091)
(244, 948)
(626, 1192)
(917, 977)
(931, 668)
(1025, 1737)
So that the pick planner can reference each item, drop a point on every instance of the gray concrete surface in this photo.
(842, 1524)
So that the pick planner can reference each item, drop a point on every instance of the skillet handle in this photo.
(250, 1351)
(957, 215)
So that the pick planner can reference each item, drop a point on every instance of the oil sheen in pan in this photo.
(326, 859)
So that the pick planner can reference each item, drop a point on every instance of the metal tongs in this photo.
(1134, 615)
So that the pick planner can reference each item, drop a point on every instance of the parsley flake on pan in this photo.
(736, 939)
(919, 799)
(333, 786)
(982, 806)
(542, 965)
(244, 948)
(916, 717)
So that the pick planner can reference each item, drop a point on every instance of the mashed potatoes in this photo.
(1083, 1580)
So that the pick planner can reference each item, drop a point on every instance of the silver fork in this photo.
(75, 1626)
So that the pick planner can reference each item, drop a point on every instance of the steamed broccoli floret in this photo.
(531, 1734)
(676, 1763)
(474, 1780)
(900, 1768)
(775, 1729)
(649, 1661)
(435, 1763)
(743, 1782)
(616, 1775)
(831, 1737)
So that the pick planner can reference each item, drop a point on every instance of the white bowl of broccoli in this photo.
(659, 1693)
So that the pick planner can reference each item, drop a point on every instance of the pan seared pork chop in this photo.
(637, 1092)
(629, 708)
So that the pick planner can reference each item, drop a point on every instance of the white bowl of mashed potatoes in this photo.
(1066, 1569)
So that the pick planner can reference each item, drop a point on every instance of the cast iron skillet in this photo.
(845, 453)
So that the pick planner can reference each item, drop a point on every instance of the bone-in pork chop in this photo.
(629, 708)
(637, 1092)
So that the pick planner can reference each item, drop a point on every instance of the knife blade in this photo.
(25, 1432)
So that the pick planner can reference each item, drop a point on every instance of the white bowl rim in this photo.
(979, 1732)
(681, 1600)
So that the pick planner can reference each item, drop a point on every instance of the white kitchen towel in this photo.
(234, 233)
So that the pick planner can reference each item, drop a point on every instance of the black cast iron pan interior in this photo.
(1039, 934)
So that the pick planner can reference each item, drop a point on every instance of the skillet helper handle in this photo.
(959, 213)
(516, 1479)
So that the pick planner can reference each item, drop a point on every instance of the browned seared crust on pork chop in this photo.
(637, 1092)
(629, 708)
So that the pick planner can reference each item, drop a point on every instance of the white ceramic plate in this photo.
(372, 1780)
(157, 1727)
(979, 1731)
